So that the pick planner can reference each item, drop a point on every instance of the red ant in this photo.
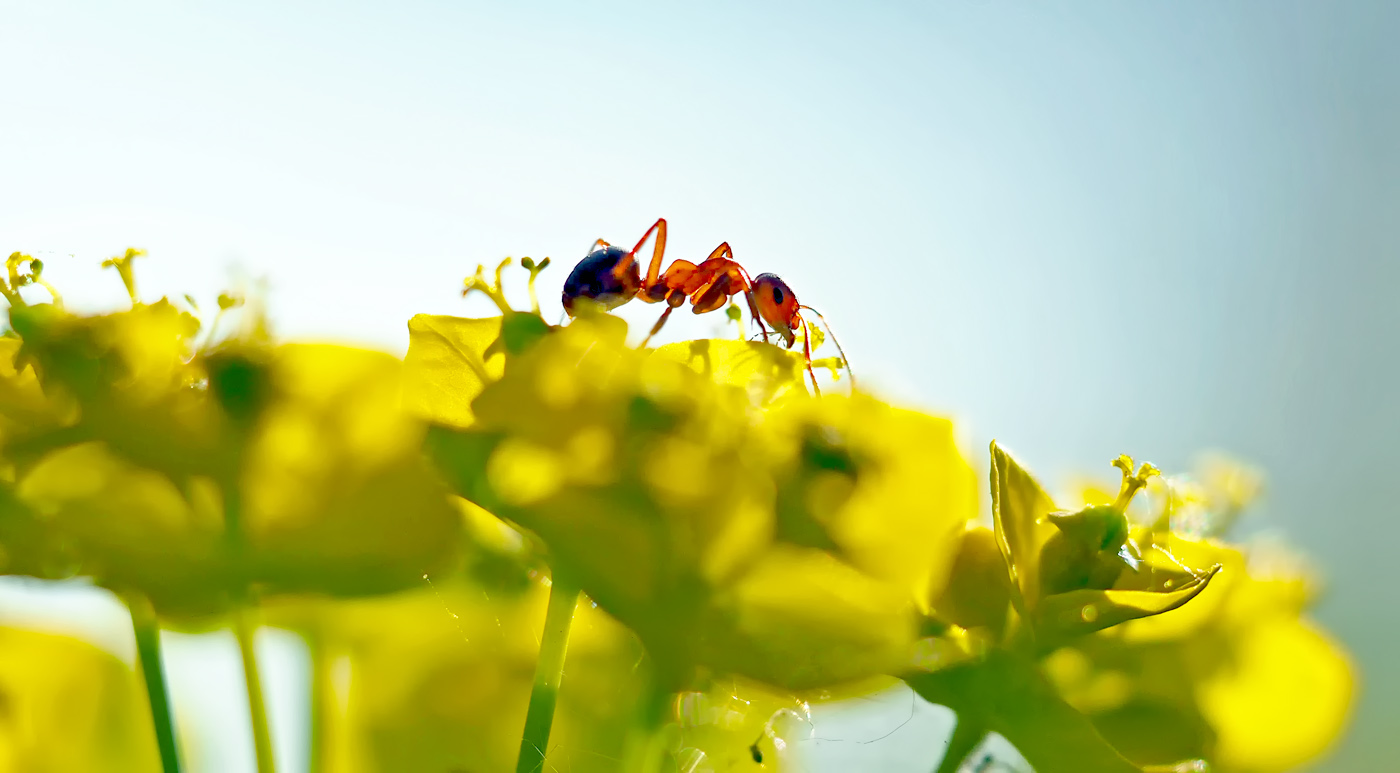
(610, 276)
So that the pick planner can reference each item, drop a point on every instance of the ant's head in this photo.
(608, 277)
(777, 305)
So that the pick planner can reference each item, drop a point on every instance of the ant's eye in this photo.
(777, 295)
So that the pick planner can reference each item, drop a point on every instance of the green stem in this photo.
(549, 671)
(147, 630)
(967, 734)
(262, 740)
(320, 698)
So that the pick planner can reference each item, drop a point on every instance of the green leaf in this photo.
(1007, 695)
(767, 372)
(1082, 612)
(1019, 509)
(520, 331)
(461, 457)
(446, 366)
(27, 545)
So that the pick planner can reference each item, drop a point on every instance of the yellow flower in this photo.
(191, 475)
(438, 679)
(129, 381)
(738, 524)
(336, 494)
(1065, 575)
(23, 404)
(1073, 573)
(67, 706)
(1238, 676)
(132, 528)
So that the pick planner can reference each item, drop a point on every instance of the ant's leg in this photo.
(747, 284)
(671, 304)
(678, 277)
(657, 327)
(713, 294)
(714, 282)
(691, 278)
(741, 279)
(596, 245)
(753, 310)
(722, 252)
(682, 274)
(657, 250)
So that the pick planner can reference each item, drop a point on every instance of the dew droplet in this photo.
(788, 726)
(1089, 613)
(692, 708)
(691, 760)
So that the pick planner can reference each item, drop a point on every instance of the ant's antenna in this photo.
(832, 334)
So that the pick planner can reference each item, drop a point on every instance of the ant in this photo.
(609, 276)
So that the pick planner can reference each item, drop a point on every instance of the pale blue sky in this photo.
(1081, 228)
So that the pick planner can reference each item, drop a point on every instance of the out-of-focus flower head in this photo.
(1042, 578)
(1066, 573)
(438, 678)
(1207, 503)
(698, 493)
(1239, 676)
(190, 470)
(67, 706)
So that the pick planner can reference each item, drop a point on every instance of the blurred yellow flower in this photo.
(1073, 573)
(23, 405)
(66, 706)
(438, 679)
(742, 547)
(1238, 676)
(337, 496)
(188, 475)
(698, 494)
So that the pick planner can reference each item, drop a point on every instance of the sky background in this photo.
(1080, 228)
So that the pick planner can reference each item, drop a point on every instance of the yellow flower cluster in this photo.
(189, 473)
(788, 539)
(1169, 647)
(707, 545)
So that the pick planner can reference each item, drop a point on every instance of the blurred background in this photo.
(1082, 229)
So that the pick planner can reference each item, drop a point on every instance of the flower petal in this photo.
(1019, 510)
(447, 366)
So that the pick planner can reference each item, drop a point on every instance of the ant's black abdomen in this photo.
(608, 276)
